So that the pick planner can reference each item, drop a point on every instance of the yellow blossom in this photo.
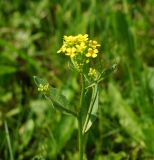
(82, 38)
(74, 45)
(92, 72)
(80, 48)
(94, 44)
(92, 53)
(71, 51)
(87, 61)
(69, 39)
(43, 88)
(62, 49)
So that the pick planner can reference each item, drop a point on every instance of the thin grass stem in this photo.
(8, 140)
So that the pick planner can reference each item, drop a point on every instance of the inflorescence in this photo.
(81, 50)
(43, 88)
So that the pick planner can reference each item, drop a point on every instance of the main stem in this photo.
(80, 136)
(80, 140)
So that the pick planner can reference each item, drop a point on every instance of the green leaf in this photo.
(6, 69)
(123, 32)
(63, 133)
(92, 111)
(127, 117)
(86, 103)
(59, 101)
(26, 132)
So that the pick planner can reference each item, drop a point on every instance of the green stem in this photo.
(80, 140)
(8, 140)
(80, 136)
(64, 109)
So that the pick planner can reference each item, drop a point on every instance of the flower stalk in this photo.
(80, 135)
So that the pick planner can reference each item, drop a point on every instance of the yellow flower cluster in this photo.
(79, 45)
(92, 72)
(43, 88)
(82, 52)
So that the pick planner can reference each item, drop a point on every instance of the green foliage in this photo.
(127, 118)
(30, 35)
(7, 70)
(91, 114)
(58, 100)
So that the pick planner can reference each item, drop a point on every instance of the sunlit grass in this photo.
(30, 35)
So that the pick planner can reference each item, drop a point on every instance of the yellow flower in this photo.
(87, 61)
(71, 51)
(69, 38)
(94, 44)
(82, 38)
(62, 49)
(43, 88)
(80, 48)
(92, 72)
(92, 53)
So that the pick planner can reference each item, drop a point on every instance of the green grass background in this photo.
(31, 32)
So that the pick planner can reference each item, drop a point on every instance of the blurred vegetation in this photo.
(31, 33)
